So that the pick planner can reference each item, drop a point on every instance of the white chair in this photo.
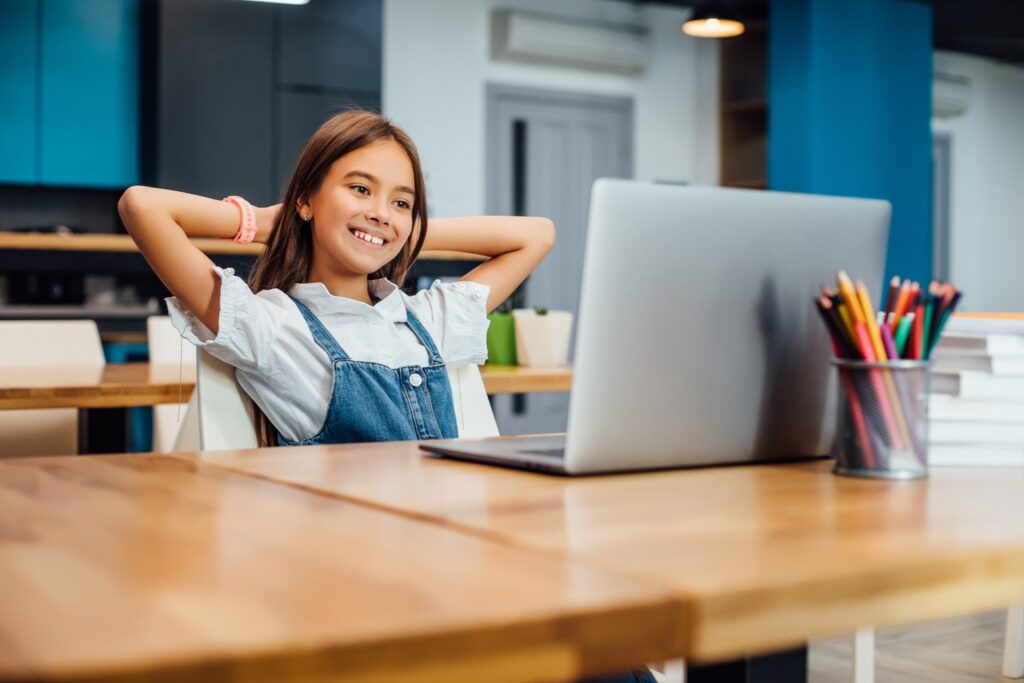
(472, 407)
(225, 417)
(1013, 652)
(167, 347)
(1013, 649)
(65, 343)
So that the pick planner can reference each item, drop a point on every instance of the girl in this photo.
(328, 347)
(323, 340)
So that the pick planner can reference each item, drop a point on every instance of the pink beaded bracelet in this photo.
(247, 222)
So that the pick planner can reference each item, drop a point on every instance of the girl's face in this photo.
(362, 212)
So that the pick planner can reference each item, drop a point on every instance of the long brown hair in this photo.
(289, 254)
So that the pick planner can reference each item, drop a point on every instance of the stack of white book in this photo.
(976, 404)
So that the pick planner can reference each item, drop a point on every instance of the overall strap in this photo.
(320, 334)
(421, 333)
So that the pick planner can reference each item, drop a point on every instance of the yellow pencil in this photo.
(847, 323)
(849, 297)
(872, 324)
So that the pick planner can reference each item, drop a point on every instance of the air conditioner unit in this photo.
(561, 41)
(951, 94)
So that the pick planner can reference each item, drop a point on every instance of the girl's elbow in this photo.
(130, 203)
(546, 233)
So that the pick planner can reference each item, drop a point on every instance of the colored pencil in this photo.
(859, 422)
(840, 345)
(881, 393)
(849, 297)
(890, 345)
(901, 305)
(915, 333)
(902, 335)
(947, 311)
(869, 320)
(840, 315)
(890, 299)
(926, 328)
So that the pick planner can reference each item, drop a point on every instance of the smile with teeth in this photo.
(370, 239)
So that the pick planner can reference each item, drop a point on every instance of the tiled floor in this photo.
(965, 649)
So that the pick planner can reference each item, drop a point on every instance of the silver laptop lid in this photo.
(697, 340)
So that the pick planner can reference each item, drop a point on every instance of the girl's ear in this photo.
(303, 208)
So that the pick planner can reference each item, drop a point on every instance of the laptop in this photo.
(697, 340)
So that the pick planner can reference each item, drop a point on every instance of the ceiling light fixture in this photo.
(713, 21)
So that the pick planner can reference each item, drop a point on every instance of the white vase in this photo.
(542, 340)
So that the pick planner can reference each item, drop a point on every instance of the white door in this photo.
(545, 149)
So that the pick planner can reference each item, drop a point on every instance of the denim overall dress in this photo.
(374, 402)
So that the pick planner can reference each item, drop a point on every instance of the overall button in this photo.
(415, 379)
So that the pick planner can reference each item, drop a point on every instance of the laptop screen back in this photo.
(697, 341)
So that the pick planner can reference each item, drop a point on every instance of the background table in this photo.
(101, 394)
(140, 384)
(119, 385)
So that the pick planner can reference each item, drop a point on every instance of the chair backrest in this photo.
(226, 417)
(225, 410)
(166, 345)
(67, 343)
(171, 420)
(50, 342)
(472, 406)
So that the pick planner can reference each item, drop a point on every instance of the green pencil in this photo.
(903, 333)
(945, 318)
(926, 331)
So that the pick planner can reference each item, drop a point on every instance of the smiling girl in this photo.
(324, 342)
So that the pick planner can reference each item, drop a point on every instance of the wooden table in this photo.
(761, 558)
(153, 568)
(101, 395)
(119, 385)
(143, 384)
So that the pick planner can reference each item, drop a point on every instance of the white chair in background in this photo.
(225, 417)
(71, 344)
(1013, 651)
(167, 347)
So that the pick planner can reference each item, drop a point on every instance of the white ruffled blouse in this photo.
(285, 371)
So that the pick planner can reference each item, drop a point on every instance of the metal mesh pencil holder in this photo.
(883, 419)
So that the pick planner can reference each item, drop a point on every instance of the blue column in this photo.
(850, 112)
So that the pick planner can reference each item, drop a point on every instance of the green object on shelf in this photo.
(501, 339)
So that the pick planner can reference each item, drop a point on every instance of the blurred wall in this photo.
(437, 62)
(986, 182)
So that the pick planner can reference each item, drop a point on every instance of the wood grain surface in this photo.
(153, 568)
(762, 557)
(144, 384)
(111, 386)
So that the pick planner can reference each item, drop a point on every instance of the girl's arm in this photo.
(161, 221)
(514, 244)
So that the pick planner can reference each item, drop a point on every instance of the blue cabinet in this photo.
(19, 51)
(89, 93)
(71, 68)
